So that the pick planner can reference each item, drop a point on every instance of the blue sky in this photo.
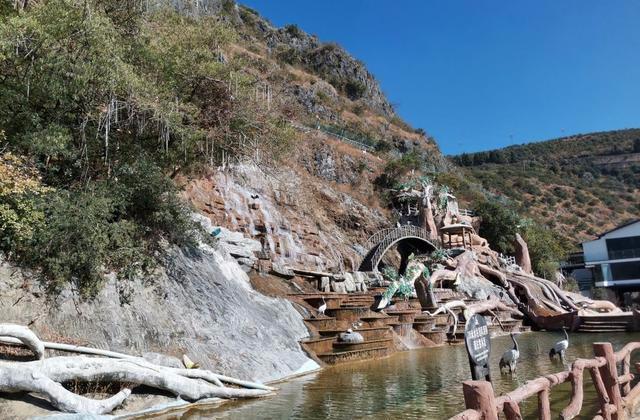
(484, 74)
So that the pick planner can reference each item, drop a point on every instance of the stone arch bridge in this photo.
(409, 239)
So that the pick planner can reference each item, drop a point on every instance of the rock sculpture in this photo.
(522, 254)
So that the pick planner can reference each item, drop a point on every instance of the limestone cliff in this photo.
(201, 304)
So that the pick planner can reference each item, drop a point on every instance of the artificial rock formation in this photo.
(522, 255)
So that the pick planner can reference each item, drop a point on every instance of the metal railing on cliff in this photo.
(333, 133)
(615, 395)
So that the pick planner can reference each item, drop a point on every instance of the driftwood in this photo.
(597, 305)
(45, 376)
(213, 377)
(23, 335)
(448, 309)
(490, 305)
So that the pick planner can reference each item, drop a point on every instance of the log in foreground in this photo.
(45, 377)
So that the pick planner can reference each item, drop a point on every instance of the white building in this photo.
(614, 257)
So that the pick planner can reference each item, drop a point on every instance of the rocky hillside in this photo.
(579, 185)
(139, 116)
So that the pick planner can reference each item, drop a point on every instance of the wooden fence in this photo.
(616, 398)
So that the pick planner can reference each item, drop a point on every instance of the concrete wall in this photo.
(597, 250)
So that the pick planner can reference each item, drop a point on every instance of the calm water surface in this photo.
(419, 384)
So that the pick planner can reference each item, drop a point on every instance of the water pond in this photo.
(419, 384)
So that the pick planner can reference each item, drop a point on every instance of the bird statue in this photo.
(510, 357)
(322, 307)
(560, 347)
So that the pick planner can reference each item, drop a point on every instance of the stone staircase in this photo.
(354, 311)
(606, 323)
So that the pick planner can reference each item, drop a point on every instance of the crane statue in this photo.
(510, 357)
(560, 347)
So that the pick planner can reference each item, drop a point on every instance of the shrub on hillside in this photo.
(354, 89)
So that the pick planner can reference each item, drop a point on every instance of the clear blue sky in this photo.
(484, 74)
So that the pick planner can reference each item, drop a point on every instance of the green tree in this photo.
(499, 224)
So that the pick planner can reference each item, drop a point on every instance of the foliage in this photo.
(552, 181)
(102, 101)
(396, 169)
(546, 249)
(20, 218)
(498, 225)
(354, 89)
(390, 273)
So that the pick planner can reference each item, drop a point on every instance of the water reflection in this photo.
(420, 384)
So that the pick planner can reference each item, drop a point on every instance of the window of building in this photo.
(620, 248)
(626, 271)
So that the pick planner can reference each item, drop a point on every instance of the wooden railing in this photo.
(615, 395)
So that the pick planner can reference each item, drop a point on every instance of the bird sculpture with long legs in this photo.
(560, 347)
(509, 359)
(322, 308)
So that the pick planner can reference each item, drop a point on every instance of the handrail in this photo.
(378, 243)
(614, 391)
(340, 137)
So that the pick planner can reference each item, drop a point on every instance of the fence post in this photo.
(609, 373)
(544, 406)
(478, 395)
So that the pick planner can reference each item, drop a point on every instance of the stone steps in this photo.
(349, 314)
(321, 323)
(333, 358)
(340, 346)
(437, 336)
(370, 333)
(424, 326)
(378, 320)
(319, 345)
(601, 330)
(404, 315)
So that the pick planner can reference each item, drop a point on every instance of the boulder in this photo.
(349, 283)
(338, 286)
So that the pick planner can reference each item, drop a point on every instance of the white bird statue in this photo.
(510, 357)
(322, 308)
(560, 347)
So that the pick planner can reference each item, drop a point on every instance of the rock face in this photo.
(329, 61)
(300, 223)
(201, 304)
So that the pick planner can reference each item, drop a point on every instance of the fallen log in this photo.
(45, 376)
(215, 378)
(490, 305)
(23, 335)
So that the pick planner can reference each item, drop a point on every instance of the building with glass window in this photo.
(614, 257)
